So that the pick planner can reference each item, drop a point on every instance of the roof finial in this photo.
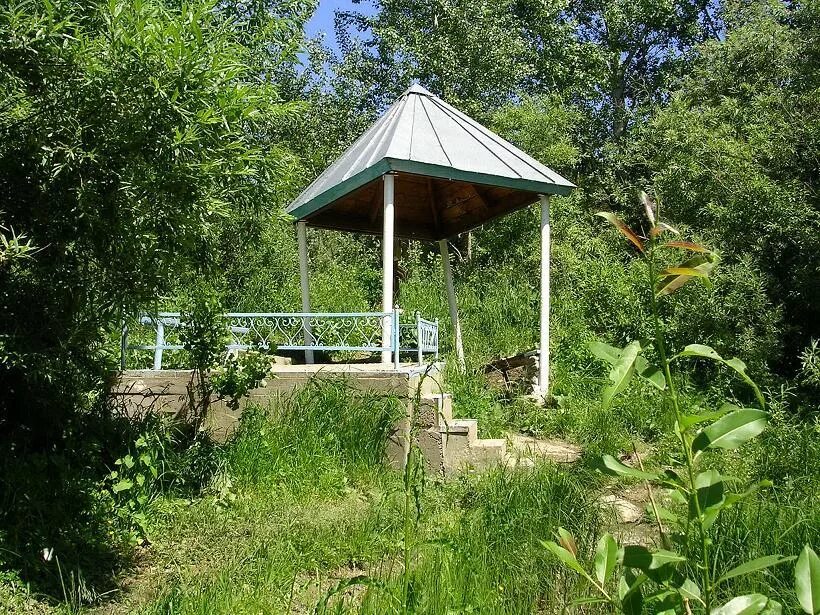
(417, 88)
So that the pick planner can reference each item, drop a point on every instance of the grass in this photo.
(475, 547)
(479, 548)
(311, 509)
(301, 515)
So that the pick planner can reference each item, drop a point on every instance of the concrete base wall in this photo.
(169, 392)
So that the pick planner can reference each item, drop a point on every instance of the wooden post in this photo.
(544, 346)
(387, 266)
(301, 236)
(451, 300)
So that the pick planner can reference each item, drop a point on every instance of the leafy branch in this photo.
(701, 494)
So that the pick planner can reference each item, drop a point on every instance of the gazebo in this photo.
(428, 172)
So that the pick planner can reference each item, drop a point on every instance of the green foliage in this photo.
(807, 580)
(203, 331)
(728, 156)
(227, 375)
(13, 246)
(145, 145)
(705, 493)
(239, 375)
(810, 363)
(72, 516)
(542, 128)
(468, 52)
(135, 482)
(128, 136)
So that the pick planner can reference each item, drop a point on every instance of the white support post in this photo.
(160, 343)
(544, 346)
(123, 345)
(301, 236)
(418, 338)
(387, 266)
(451, 300)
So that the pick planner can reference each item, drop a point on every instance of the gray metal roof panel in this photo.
(421, 133)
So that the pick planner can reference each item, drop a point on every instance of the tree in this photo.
(734, 155)
(129, 133)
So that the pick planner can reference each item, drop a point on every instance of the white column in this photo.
(544, 355)
(387, 264)
(451, 301)
(160, 343)
(301, 235)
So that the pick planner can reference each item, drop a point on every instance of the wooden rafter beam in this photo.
(479, 196)
(375, 203)
(433, 200)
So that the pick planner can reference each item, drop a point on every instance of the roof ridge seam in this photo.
(479, 141)
(438, 138)
(366, 154)
(393, 128)
(553, 176)
(412, 131)
(375, 128)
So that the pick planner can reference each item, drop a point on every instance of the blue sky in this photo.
(322, 20)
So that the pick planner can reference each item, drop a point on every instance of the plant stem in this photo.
(407, 528)
(687, 453)
(661, 529)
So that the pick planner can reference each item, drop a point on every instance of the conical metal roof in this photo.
(423, 136)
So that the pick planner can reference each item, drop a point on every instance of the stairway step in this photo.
(490, 444)
(430, 384)
(462, 427)
(431, 444)
(555, 450)
(488, 452)
(514, 460)
(434, 410)
(458, 435)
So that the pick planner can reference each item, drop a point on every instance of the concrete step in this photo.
(467, 428)
(486, 453)
(431, 445)
(528, 447)
(514, 460)
(458, 435)
(431, 384)
(464, 450)
(434, 410)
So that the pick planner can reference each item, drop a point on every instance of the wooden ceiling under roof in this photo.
(426, 208)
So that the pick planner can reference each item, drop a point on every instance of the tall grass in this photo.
(480, 545)
(308, 494)
(321, 432)
(316, 509)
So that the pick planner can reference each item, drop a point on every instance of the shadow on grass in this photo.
(63, 531)
(53, 531)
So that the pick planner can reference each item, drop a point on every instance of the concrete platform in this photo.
(448, 445)
(169, 392)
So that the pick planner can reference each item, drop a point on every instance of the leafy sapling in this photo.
(658, 579)
(218, 375)
(203, 335)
